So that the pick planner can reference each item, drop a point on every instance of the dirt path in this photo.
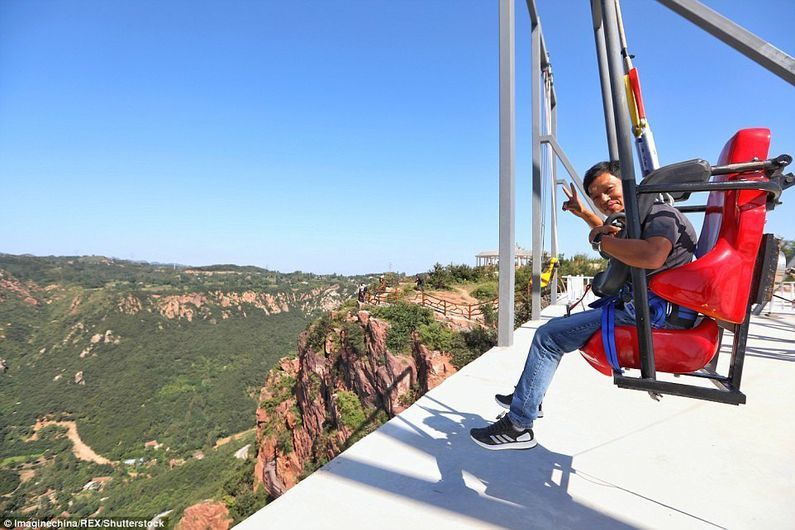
(79, 448)
(224, 441)
(459, 295)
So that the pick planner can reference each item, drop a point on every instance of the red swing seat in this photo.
(717, 284)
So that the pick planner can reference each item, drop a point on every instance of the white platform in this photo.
(607, 458)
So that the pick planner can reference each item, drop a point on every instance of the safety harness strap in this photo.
(608, 305)
(660, 311)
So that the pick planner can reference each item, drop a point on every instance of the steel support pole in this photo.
(739, 38)
(507, 174)
(575, 178)
(604, 78)
(538, 237)
(625, 148)
(553, 206)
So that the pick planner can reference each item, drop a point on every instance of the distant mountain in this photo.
(122, 353)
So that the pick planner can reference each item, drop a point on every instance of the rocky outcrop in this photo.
(22, 291)
(74, 333)
(312, 406)
(74, 305)
(323, 299)
(207, 515)
(98, 338)
(214, 304)
(181, 306)
(129, 305)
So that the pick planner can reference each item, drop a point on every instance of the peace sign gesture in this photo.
(574, 204)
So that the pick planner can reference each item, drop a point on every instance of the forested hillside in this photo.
(132, 353)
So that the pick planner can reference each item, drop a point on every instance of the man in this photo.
(667, 240)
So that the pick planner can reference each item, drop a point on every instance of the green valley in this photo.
(153, 364)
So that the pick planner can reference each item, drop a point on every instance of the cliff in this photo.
(343, 384)
(131, 353)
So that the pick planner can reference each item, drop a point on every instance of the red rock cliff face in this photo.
(300, 419)
(207, 515)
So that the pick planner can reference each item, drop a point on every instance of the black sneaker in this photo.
(504, 400)
(503, 435)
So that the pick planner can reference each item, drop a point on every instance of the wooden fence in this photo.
(445, 307)
(440, 305)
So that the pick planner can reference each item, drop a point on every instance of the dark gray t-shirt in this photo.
(668, 222)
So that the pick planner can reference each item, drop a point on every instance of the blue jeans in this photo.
(553, 339)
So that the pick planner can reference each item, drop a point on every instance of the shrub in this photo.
(480, 339)
(439, 277)
(436, 337)
(442, 277)
(354, 337)
(485, 291)
(317, 333)
(9, 481)
(489, 315)
(403, 319)
(351, 412)
(239, 495)
(284, 441)
(581, 265)
(470, 345)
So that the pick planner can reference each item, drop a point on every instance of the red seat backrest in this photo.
(718, 283)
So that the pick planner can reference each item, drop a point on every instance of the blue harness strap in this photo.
(608, 305)
(658, 311)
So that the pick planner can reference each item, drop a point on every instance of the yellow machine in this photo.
(546, 274)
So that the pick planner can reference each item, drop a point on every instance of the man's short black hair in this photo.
(599, 168)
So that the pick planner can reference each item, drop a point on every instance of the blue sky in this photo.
(348, 136)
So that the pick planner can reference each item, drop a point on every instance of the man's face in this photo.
(607, 193)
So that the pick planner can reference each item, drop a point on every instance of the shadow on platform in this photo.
(523, 489)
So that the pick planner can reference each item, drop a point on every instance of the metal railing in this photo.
(575, 289)
(783, 300)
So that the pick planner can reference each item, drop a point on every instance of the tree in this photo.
(788, 248)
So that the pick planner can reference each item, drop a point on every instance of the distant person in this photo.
(381, 284)
(420, 282)
(362, 292)
(667, 240)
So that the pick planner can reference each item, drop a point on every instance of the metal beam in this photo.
(570, 169)
(535, 20)
(625, 156)
(533, 11)
(604, 78)
(553, 205)
(538, 236)
(739, 38)
(507, 174)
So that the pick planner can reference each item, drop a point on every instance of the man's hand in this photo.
(575, 206)
(607, 230)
